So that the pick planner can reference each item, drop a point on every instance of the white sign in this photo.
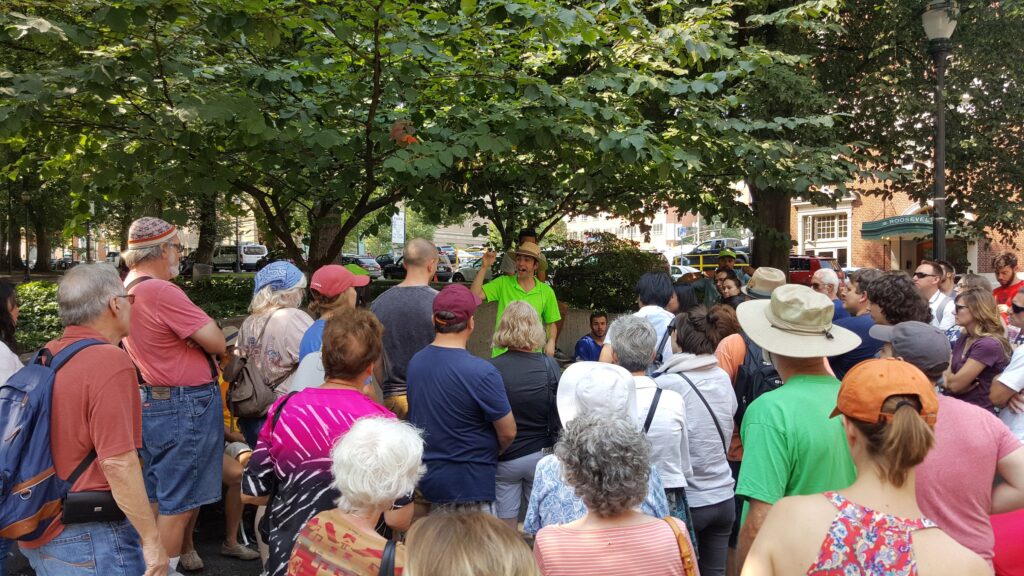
(398, 227)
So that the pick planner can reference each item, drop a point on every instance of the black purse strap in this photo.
(658, 359)
(721, 434)
(554, 424)
(387, 561)
(650, 412)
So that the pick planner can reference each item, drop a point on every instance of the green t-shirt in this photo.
(791, 446)
(505, 289)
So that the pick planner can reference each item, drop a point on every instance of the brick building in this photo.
(894, 233)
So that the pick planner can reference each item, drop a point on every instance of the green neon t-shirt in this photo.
(790, 445)
(505, 289)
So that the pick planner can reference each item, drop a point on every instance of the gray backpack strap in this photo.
(946, 300)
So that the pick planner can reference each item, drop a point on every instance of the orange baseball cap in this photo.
(869, 384)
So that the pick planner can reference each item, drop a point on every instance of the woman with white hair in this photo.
(270, 337)
(531, 380)
(586, 387)
(375, 466)
(606, 460)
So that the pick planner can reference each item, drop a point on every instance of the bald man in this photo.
(406, 313)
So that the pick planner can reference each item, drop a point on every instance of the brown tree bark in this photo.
(207, 228)
(771, 243)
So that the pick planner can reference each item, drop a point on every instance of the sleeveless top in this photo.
(867, 542)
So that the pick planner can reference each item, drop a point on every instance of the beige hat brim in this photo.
(756, 326)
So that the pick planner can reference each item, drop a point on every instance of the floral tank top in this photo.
(865, 542)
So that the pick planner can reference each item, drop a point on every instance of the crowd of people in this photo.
(733, 424)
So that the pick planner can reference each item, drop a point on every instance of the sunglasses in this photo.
(129, 297)
(960, 307)
(923, 275)
(815, 286)
(1016, 309)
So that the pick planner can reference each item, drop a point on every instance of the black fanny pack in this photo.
(88, 506)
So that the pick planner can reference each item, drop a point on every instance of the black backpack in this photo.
(754, 377)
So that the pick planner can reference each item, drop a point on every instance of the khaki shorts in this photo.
(399, 405)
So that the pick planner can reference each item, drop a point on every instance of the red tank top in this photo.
(875, 544)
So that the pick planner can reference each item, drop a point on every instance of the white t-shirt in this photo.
(9, 363)
(1013, 378)
(670, 444)
(945, 318)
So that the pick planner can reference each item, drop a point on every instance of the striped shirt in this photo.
(648, 549)
(297, 459)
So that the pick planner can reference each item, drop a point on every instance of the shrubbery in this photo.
(601, 274)
(38, 322)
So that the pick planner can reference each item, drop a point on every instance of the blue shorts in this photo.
(182, 446)
(91, 549)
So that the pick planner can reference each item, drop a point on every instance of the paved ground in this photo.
(208, 538)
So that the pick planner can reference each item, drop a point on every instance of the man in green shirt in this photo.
(790, 444)
(524, 285)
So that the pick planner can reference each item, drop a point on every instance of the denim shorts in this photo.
(91, 549)
(182, 446)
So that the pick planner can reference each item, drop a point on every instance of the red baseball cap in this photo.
(458, 300)
(332, 279)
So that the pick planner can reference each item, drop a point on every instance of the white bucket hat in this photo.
(587, 387)
(796, 322)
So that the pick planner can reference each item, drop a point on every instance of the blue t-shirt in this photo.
(840, 312)
(455, 398)
(313, 339)
(587, 350)
(859, 325)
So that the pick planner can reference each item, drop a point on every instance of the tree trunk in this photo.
(324, 229)
(42, 247)
(771, 243)
(207, 228)
(15, 244)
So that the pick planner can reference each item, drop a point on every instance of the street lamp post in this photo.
(939, 23)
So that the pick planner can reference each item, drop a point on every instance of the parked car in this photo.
(678, 272)
(385, 259)
(705, 255)
(802, 268)
(363, 261)
(469, 271)
(274, 256)
(248, 256)
(397, 272)
(451, 253)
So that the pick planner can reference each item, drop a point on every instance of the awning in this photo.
(911, 226)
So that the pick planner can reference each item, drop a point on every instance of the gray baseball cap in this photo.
(920, 344)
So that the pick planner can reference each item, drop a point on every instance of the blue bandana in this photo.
(278, 275)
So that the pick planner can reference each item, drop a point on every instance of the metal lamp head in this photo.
(939, 19)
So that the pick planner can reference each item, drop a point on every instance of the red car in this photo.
(801, 268)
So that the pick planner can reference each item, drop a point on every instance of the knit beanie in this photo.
(148, 231)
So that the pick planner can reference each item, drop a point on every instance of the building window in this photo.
(827, 227)
(658, 229)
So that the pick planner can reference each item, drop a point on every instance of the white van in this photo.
(224, 256)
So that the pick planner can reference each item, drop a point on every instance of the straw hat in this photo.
(796, 322)
(763, 282)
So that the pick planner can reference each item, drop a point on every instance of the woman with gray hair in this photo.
(607, 461)
(375, 466)
(531, 382)
(270, 337)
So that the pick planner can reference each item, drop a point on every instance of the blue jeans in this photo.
(91, 549)
(5, 551)
(182, 446)
(250, 428)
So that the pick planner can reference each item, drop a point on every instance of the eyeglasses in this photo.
(1016, 309)
(960, 307)
(816, 286)
(178, 247)
(129, 297)
(923, 275)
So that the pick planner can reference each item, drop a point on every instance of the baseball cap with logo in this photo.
(333, 279)
(868, 385)
(457, 300)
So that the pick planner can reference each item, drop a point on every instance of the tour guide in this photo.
(523, 286)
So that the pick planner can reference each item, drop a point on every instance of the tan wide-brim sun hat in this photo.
(796, 322)
(587, 387)
(533, 251)
(763, 282)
